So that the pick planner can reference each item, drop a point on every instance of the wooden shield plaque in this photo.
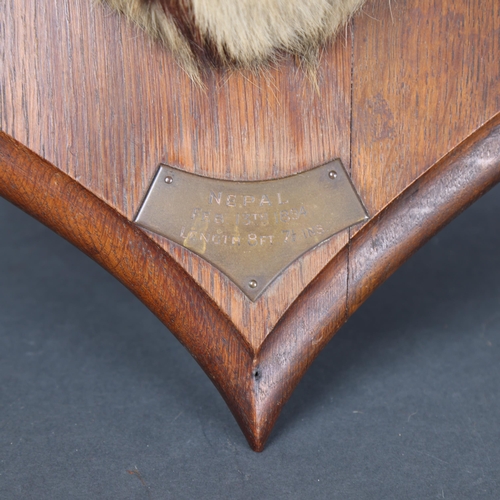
(94, 116)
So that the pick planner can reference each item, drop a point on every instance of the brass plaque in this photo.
(251, 231)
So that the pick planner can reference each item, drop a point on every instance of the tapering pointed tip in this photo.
(255, 405)
(260, 431)
(258, 446)
(258, 434)
(261, 410)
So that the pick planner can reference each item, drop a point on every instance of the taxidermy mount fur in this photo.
(240, 33)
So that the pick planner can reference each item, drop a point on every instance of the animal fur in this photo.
(241, 33)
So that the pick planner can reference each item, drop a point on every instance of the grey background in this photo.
(99, 401)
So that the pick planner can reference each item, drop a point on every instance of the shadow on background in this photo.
(404, 399)
(430, 292)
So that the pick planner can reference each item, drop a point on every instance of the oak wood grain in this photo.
(61, 203)
(91, 94)
(254, 383)
(374, 253)
(426, 75)
(405, 97)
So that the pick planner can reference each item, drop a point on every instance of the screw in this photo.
(252, 284)
(169, 179)
(332, 174)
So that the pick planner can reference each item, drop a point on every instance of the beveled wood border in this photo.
(255, 385)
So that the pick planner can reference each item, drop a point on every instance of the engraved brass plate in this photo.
(251, 231)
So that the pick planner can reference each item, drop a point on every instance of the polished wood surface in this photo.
(95, 97)
(254, 383)
(403, 85)
(426, 75)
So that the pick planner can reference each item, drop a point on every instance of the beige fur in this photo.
(151, 17)
(244, 33)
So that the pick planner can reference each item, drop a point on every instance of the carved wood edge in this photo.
(255, 385)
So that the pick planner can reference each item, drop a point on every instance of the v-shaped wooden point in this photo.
(409, 102)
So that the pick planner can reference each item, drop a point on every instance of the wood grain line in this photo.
(255, 385)
(59, 202)
(375, 252)
(92, 94)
